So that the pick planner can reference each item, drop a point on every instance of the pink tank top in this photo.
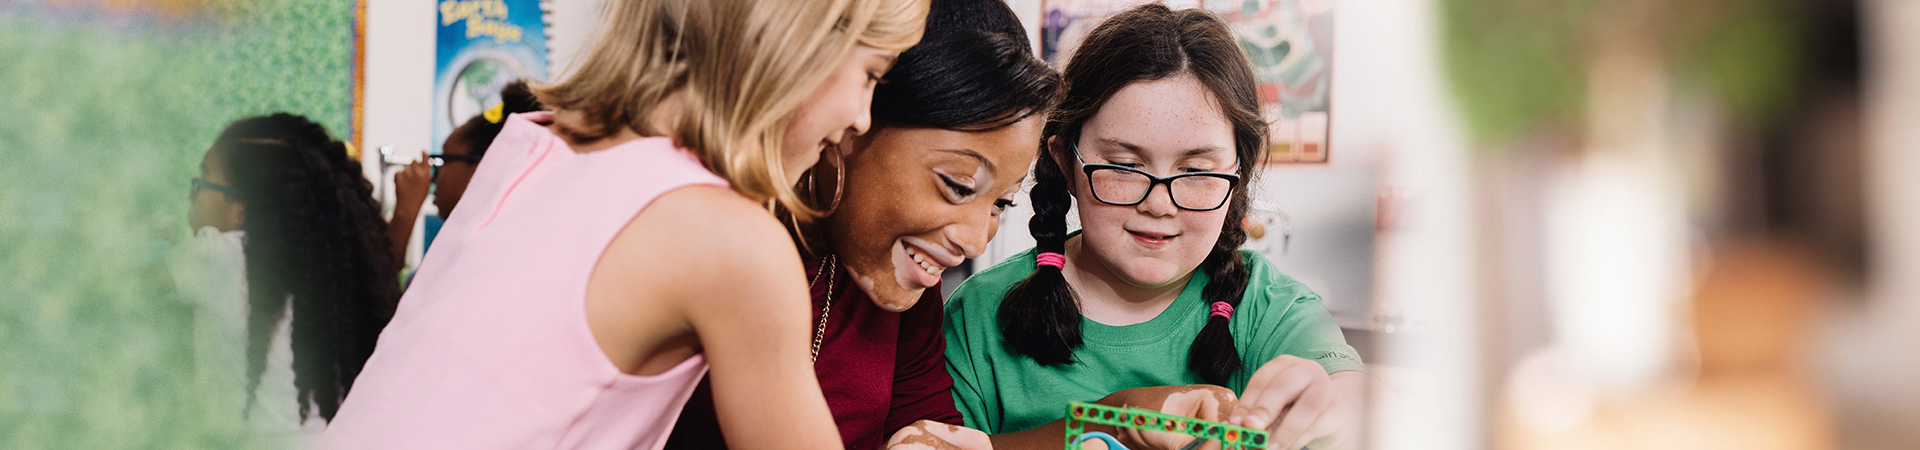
(490, 346)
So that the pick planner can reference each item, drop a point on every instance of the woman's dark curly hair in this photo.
(316, 246)
(1040, 316)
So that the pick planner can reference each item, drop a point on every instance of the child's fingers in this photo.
(414, 172)
(1259, 409)
(1146, 439)
(1325, 431)
(1255, 385)
(1250, 395)
(1296, 425)
(1300, 443)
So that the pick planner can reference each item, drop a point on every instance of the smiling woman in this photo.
(956, 124)
(920, 200)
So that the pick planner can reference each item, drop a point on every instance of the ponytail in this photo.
(316, 247)
(1214, 355)
(1040, 317)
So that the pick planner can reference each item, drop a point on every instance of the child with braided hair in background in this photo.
(290, 252)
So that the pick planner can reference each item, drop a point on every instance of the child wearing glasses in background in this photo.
(448, 172)
(1156, 143)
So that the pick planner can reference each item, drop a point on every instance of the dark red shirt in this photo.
(880, 371)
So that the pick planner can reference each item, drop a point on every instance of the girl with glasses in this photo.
(448, 173)
(468, 143)
(1155, 144)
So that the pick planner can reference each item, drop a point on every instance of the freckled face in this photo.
(920, 200)
(1164, 127)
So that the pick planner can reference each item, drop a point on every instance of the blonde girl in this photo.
(611, 253)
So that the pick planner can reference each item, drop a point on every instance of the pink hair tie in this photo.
(1222, 309)
(1058, 261)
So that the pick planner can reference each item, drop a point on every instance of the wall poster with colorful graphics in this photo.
(1289, 41)
(483, 45)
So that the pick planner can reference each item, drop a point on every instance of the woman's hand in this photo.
(930, 435)
(1295, 400)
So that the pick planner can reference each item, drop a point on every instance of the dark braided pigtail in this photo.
(315, 338)
(316, 248)
(268, 284)
(1220, 64)
(1214, 355)
(1040, 317)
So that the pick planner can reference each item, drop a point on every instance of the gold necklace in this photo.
(820, 332)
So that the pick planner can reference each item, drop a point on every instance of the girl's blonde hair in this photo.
(740, 68)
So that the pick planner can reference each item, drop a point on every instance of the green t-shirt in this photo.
(1000, 392)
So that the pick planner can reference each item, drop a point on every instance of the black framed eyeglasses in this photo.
(1119, 185)
(199, 184)
(441, 159)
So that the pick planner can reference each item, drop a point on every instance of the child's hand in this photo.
(410, 185)
(930, 435)
(1295, 400)
(409, 193)
(1200, 401)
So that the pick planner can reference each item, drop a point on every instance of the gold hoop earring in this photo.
(817, 195)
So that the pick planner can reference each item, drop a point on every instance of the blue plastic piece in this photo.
(1112, 444)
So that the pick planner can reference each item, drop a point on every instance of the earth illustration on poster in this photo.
(483, 45)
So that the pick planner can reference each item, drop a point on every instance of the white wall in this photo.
(399, 91)
(399, 74)
(571, 27)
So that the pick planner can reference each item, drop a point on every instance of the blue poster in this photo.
(483, 45)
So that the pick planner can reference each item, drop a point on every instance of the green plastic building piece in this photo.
(1231, 437)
